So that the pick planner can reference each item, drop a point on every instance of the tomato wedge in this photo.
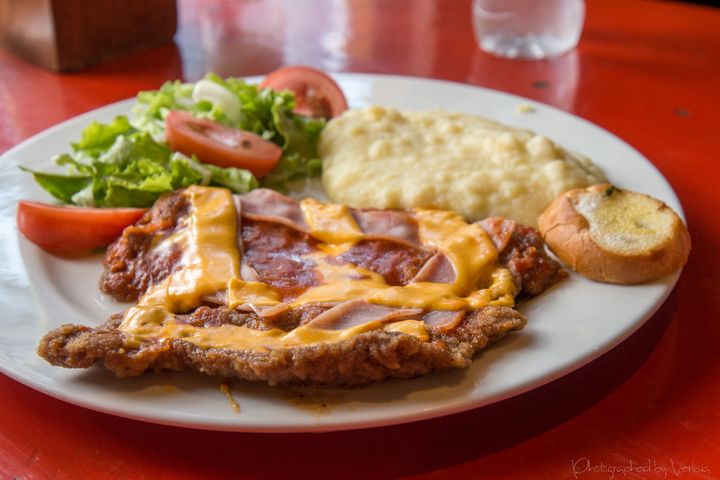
(219, 145)
(66, 230)
(316, 94)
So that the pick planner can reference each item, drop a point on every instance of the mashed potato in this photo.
(380, 157)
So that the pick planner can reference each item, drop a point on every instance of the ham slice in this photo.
(443, 320)
(248, 273)
(437, 270)
(358, 312)
(388, 224)
(267, 205)
(217, 298)
(500, 230)
(266, 311)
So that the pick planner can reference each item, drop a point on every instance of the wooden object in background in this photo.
(71, 34)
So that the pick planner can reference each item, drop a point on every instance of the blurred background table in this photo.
(648, 71)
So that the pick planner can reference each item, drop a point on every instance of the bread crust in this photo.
(567, 233)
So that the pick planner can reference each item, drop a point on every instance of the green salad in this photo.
(128, 162)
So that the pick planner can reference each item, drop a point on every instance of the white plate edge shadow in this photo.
(373, 415)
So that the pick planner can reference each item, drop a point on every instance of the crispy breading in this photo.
(368, 357)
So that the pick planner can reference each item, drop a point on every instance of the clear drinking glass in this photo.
(528, 29)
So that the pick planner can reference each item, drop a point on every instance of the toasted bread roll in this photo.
(615, 236)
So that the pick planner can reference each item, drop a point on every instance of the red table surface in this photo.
(647, 71)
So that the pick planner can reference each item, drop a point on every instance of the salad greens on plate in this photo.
(128, 162)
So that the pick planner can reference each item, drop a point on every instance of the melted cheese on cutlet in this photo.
(211, 259)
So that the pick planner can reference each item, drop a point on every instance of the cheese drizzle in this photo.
(211, 264)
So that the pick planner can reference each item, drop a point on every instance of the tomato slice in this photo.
(219, 145)
(69, 230)
(316, 94)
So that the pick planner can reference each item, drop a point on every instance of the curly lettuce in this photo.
(117, 165)
(127, 163)
(264, 112)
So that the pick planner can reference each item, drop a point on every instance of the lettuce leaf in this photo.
(128, 163)
(300, 158)
(236, 179)
(133, 171)
(264, 112)
(62, 187)
(98, 137)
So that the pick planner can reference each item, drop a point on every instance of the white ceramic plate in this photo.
(570, 325)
